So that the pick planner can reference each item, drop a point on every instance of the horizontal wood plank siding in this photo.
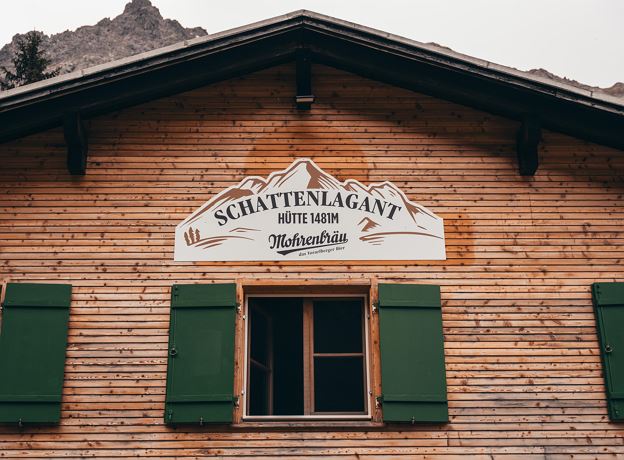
(522, 358)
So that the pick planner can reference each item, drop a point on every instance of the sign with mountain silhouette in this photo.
(303, 213)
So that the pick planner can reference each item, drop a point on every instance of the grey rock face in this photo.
(139, 28)
(617, 90)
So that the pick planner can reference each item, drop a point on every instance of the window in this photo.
(306, 357)
(266, 352)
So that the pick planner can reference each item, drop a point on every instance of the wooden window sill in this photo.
(308, 424)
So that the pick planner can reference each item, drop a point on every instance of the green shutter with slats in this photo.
(413, 376)
(33, 341)
(200, 372)
(609, 308)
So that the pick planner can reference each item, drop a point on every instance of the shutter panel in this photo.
(33, 341)
(413, 375)
(200, 373)
(609, 308)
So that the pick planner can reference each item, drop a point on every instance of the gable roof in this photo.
(426, 68)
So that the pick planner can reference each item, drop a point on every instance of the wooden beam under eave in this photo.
(529, 136)
(77, 143)
(304, 97)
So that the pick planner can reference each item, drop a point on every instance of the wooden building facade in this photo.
(98, 169)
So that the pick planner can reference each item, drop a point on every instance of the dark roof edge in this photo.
(464, 62)
(407, 47)
(144, 61)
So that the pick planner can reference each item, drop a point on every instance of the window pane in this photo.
(259, 388)
(288, 357)
(276, 338)
(260, 339)
(338, 384)
(338, 326)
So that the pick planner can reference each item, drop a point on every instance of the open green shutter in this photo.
(32, 352)
(413, 376)
(200, 374)
(609, 308)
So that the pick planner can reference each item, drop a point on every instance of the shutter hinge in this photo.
(169, 414)
(173, 352)
(20, 424)
(236, 401)
(378, 401)
(239, 307)
(201, 421)
(375, 306)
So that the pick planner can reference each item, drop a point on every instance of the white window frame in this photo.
(367, 358)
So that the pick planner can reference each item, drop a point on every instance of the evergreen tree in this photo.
(30, 63)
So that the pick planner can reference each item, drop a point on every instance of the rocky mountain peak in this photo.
(138, 29)
(140, 7)
(617, 90)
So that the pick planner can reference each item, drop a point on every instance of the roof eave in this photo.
(425, 68)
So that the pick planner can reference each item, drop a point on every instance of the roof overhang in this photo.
(384, 57)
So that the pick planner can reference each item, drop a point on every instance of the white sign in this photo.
(303, 213)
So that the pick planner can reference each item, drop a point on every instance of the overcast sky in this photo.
(579, 39)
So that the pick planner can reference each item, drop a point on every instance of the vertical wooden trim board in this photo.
(522, 358)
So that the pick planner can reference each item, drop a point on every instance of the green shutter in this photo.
(413, 376)
(609, 308)
(200, 374)
(32, 352)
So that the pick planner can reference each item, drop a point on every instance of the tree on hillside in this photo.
(29, 61)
